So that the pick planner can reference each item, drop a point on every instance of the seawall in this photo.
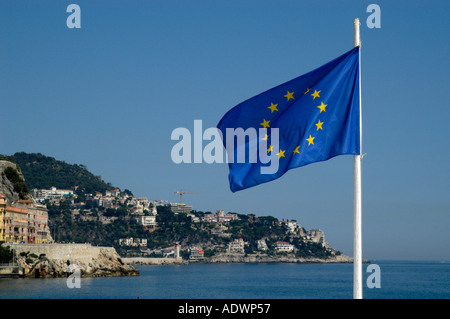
(154, 261)
(11, 271)
(238, 258)
(263, 258)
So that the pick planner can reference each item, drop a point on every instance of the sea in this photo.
(396, 280)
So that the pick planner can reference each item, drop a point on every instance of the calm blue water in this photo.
(399, 279)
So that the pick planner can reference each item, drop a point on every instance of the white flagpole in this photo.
(357, 206)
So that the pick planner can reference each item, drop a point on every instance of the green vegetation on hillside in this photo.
(6, 158)
(66, 227)
(43, 172)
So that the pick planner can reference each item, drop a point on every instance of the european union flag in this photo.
(317, 116)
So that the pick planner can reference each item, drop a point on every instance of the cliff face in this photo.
(53, 260)
(12, 182)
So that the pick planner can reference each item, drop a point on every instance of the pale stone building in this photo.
(281, 246)
(236, 246)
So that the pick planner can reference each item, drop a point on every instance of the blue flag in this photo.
(317, 116)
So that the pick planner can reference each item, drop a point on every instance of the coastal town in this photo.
(49, 228)
(26, 221)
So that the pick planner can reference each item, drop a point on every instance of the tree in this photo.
(128, 192)
(6, 254)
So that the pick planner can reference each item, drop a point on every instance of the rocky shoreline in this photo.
(236, 258)
(276, 259)
(53, 260)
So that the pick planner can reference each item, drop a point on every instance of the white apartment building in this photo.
(52, 193)
(147, 220)
(281, 246)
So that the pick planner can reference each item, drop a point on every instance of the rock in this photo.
(6, 186)
(55, 259)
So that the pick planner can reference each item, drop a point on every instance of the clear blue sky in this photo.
(108, 96)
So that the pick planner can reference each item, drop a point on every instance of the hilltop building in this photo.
(53, 193)
(149, 221)
(177, 208)
(113, 193)
(219, 217)
(291, 225)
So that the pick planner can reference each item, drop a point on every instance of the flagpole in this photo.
(357, 206)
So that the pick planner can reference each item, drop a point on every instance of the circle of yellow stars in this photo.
(273, 108)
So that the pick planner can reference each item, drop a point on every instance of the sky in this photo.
(109, 94)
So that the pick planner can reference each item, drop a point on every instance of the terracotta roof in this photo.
(16, 209)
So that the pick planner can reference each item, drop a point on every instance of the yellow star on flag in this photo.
(322, 107)
(281, 154)
(319, 125)
(310, 140)
(269, 149)
(265, 123)
(289, 95)
(273, 107)
(307, 90)
(315, 94)
(296, 150)
(265, 138)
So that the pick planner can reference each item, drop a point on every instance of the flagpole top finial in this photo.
(357, 36)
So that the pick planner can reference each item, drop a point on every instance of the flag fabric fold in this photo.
(317, 116)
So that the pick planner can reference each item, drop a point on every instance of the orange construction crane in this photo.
(181, 192)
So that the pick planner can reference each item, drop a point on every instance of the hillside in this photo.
(106, 221)
(43, 172)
